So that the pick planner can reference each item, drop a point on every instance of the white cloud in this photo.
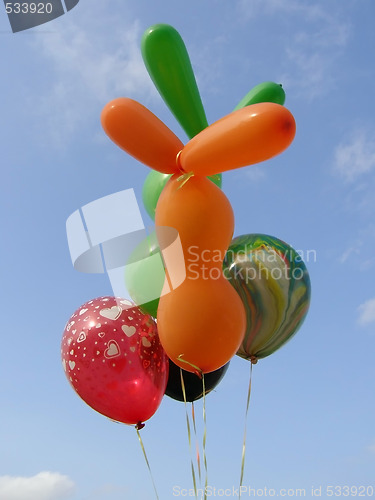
(208, 76)
(271, 7)
(42, 486)
(312, 55)
(88, 66)
(355, 157)
(359, 252)
(367, 264)
(367, 312)
(255, 173)
(316, 39)
(95, 63)
(348, 253)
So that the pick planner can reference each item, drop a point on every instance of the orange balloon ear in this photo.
(141, 134)
(247, 136)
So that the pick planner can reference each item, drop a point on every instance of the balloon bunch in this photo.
(211, 297)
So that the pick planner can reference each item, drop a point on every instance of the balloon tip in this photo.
(139, 426)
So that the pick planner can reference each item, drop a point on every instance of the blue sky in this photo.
(311, 419)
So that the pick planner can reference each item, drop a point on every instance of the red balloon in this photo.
(112, 357)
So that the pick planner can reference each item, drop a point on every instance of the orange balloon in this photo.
(247, 136)
(140, 133)
(201, 323)
(202, 215)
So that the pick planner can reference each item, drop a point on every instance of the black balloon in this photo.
(192, 382)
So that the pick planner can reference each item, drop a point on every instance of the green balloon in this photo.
(264, 92)
(154, 185)
(274, 285)
(216, 179)
(152, 188)
(168, 63)
(145, 274)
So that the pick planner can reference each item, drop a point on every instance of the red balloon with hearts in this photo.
(112, 357)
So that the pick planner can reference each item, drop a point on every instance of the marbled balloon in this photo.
(274, 285)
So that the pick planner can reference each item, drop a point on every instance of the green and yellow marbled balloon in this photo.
(274, 284)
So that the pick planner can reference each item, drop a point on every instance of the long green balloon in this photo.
(168, 63)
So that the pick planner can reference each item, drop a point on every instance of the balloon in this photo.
(145, 275)
(152, 188)
(246, 136)
(113, 359)
(263, 92)
(167, 61)
(201, 322)
(154, 185)
(193, 383)
(141, 134)
(200, 212)
(274, 285)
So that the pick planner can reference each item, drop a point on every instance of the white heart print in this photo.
(146, 342)
(111, 313)
(113, 350)
(82, 337)
(128, 330)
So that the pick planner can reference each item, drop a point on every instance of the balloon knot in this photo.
(196, 369)
(139, 426)
(253, 359)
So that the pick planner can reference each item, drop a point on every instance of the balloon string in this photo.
(245, 429)
(196, 442)
(197, 370)
(189, 435)
(204, 437)
(184, 178)
(147, 462)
